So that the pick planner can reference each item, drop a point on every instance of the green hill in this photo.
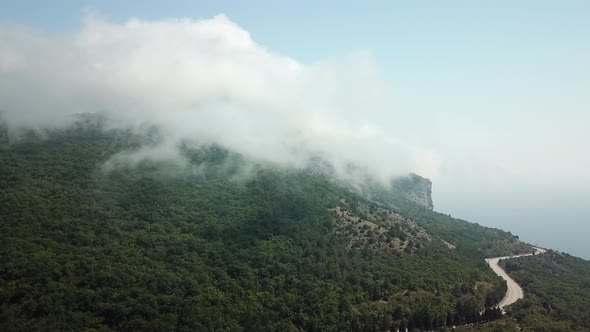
(222, 243)
(558, 292)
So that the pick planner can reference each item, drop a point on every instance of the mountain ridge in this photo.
(416, 189)
(147, 247)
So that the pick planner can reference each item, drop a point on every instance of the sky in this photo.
(490, 99)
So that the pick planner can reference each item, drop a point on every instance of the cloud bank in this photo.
(207, 81)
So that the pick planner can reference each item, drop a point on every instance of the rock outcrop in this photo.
(415, 188)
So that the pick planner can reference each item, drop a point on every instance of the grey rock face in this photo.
(416, 189)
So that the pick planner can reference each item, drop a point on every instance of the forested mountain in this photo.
(222, 243)
(558, 292)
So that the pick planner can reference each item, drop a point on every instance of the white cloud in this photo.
(207, 81)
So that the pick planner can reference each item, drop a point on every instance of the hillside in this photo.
(558, 292)
(207, 245)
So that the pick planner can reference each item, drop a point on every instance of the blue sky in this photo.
(499, 89)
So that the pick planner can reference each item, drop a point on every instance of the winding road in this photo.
(514, 291)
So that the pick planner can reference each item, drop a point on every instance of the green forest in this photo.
(89, 242)
(557, 295)
(558, 292)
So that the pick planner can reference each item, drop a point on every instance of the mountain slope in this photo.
(558, 292)
(201, 246)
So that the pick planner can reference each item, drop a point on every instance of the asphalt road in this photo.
(514, 292)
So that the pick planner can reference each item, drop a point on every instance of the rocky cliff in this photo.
(416, 189)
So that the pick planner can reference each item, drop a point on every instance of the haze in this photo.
(490, 99)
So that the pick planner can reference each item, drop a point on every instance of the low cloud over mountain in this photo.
(207, 81)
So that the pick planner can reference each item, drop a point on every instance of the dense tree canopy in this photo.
(558, 292)
(207, 246)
